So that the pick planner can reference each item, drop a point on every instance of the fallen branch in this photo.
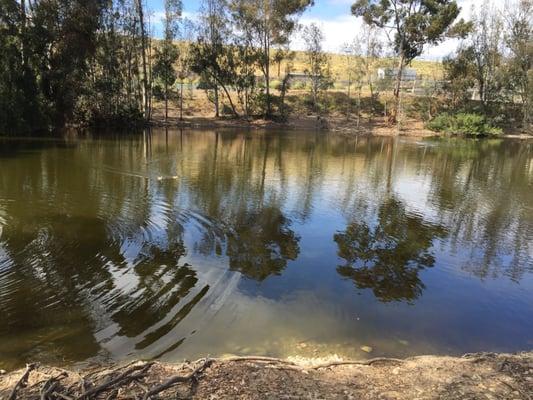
(51, 384)
(22, 381)
(177, 379)
(363, 362)
(325, 365)
(125, 376)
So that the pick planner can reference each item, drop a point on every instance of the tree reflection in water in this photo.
(388, 256)
(262, 244)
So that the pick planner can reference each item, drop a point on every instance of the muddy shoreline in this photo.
(473, 376)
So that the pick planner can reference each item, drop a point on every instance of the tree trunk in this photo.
(397, 89)
(166, 102)
(349, 105)
(143, 54)
(359, 107)
(230, 101)
(217, 112)
(181, 101)
(267, 76)
(23, 39)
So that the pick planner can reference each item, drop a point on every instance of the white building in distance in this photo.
(408, 74)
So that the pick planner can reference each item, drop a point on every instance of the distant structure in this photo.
(300, 77)
(408, 74)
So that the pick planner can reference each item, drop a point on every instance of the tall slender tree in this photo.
(146, 86)
(519, 41)
(271, 22)
(318, 65)
(168, 54)
(414, 24)
(211, 56)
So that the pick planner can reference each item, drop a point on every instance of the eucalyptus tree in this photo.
(168, 54)
(146, 84)
(485, 46)
(355, 67)
(183, 64)
(318, 64)
(519, 41)
(414, 23)
(271, 23)
(211, 56)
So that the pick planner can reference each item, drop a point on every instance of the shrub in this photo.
(466, 124)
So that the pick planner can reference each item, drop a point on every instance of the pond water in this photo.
(181, 244)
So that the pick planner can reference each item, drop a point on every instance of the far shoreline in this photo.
(378, 127)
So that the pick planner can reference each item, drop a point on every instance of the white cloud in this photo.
(344, 28)
(336, 31)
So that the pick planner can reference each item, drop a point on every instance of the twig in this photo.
(363, 362)
(172, 381)
(125, 376)
(62, 395)
(22, 381)
(325, 365)
(51, 384)
(515, 389)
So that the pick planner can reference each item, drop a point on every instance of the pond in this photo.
(181, 244)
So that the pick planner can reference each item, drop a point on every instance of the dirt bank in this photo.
(337, 124)
(475, 376)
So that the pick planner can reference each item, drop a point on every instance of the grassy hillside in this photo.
(339, 64)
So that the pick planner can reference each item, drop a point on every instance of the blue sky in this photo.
(336, 21)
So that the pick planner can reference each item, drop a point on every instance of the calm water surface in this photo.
(176, 245)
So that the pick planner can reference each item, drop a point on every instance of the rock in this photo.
(3, 372)
(367, 349)
(396, 371)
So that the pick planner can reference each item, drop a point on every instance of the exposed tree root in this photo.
(506, 376)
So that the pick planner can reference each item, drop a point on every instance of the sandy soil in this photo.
(475, 376)
(198, 113)
(339, 124)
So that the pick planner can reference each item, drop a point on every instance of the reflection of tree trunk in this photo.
(263, 175)
(391, 158)
(216, 152)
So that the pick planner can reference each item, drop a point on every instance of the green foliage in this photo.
(466, 124)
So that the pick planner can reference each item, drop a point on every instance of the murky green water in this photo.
(188, 244)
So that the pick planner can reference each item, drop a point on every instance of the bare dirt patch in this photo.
(475, 376)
